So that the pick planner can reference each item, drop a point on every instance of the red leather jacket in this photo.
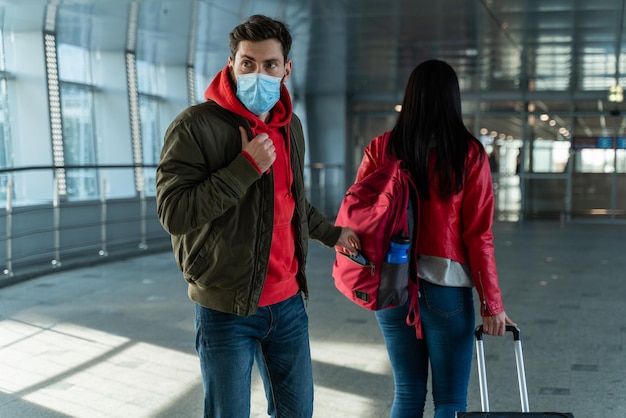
(458, 228)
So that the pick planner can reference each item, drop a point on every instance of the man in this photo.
(240, 224)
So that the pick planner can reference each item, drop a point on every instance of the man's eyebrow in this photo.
(248, 57)
(269, 61)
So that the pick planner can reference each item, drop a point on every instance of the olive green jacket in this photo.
(219, 211)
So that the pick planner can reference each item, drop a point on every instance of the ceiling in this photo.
(543, 56)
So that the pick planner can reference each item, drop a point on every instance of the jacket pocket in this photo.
(199, 249)
(196, 267)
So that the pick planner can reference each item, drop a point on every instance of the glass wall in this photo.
(557, 145)
(79, 142)
(77, 110)
(151, 137)
(5, 131)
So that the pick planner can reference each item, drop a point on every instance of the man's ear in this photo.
(288, 67)
(231, 70)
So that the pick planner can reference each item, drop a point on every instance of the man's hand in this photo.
(260, 148)
(348, 241)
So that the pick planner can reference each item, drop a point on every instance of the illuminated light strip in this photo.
(54, 95)
(50, 22)
(131, 33)
(133, 96)
(191, 84)
(191, 54)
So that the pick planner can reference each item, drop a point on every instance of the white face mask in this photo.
(258, 92)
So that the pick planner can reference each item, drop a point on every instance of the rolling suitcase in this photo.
(521, 379)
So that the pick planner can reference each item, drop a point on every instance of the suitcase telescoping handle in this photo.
(482, 373)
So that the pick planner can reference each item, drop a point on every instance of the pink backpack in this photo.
(376, 208)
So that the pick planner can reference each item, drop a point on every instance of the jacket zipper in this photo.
(295, 162)
(485, 307)
(257, 251)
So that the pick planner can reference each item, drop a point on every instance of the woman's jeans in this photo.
(277, 337)
(447, 315)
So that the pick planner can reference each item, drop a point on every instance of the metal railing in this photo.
(49, 232)
(44, 230)
(325, 187)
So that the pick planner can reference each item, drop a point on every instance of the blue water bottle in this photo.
(398, 250)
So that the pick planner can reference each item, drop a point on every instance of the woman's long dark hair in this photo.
(431, 119)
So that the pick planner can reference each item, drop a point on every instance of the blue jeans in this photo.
(277, 338)
(447, 315)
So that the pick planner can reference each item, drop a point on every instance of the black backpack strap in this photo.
(413, 221)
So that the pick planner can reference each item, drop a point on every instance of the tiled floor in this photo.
(117, 340)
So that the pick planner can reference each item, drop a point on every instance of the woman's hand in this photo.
(496, 324)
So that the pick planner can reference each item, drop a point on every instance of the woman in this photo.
(453, 251)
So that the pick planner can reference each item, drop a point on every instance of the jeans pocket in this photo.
(445, 301)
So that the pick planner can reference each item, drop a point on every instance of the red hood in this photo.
(222, 91)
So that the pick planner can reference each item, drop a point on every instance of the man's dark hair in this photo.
(260, 28)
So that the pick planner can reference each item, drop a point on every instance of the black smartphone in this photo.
(359, 258)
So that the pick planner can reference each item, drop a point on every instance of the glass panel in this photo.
(79, 141)
(498, 133)
(597, 67)
(590, 193)
(24, 194)
(550, 135)
(506, 180)
(151, 139)
(595, 161)
(545, 197)
(147, 85)
(74, 64)
(550, 156)
(146, 78)
(2, 59)
(202, 82)
(5, 132)
(553, 63)
(620, 163)
(5, 139)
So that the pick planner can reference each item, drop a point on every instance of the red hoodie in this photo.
(280, 283)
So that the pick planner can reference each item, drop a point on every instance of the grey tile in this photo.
(120, 336)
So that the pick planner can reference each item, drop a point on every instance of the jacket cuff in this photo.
(490, 309)
(334, 236)
(325, 232)
(249, 158)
